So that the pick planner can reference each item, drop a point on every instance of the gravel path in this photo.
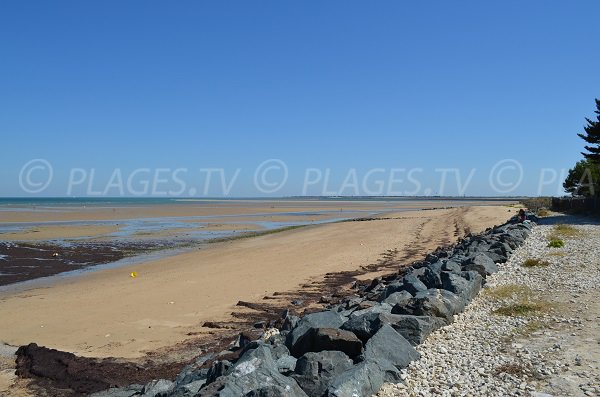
(553, 350)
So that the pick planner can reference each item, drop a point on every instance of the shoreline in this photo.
(173, 297)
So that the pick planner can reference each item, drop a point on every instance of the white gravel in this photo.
(549, 354)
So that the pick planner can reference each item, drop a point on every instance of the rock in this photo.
(188, 390)
(389, 345)
(377, 308)
(218, 369)
(157, 387)
(192, 372)
(412, 284)
(256, 372)
(391, 289)
(364, 379)
(315, 371)
(326, 319)
(451, 266)
(320, 339)
(129, 391)
(398, 298)
(415, 329)
(461, 286)
(286, 365)
(433, 302)
(431, 275)
(366, 325)
(482, 264)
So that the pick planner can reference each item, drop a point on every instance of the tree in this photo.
(583, 179)
(592, 136)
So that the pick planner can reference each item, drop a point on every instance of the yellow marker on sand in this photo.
(133, 274)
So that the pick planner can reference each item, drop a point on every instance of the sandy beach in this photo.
(107, 313)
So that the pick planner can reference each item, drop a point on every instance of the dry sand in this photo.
(108, 313)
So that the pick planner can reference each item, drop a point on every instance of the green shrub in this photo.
(556, 243)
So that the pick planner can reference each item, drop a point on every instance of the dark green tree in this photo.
(592, 137)
(584, 179)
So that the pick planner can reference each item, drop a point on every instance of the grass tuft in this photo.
(556, 243)
(542, 212)
(509, 291)
(535, 263)
(520, 309)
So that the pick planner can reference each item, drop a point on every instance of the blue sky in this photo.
(338, 85)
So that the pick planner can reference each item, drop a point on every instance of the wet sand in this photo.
(107, 313)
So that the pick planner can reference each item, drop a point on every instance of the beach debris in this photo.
(269, 333)
(171, 303)
(133, 274)
(55, 255)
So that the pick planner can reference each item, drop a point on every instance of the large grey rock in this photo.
(366, 325)
(482, 264)
(256, 372)
(128, 391)
(320, 339)
(466, 288)
(192, 372)
(398, 298)
(364, 379)
(376, 308)
(157, 387)
(412, 284)
(435, 303)
(218, 369)
(188, 390)
(327, 319)
(452, 266)
(390, 289)
(415, 329)
(430, 275)
(389, 345)
(315, 371)
(286, 364)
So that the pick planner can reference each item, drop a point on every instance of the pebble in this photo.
(471, 357)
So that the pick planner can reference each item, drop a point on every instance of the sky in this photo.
(279, 98)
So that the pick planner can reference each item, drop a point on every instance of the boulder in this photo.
(364, 379)
(315, 371)
(129, 391)
(433, 302)
(377, 308)
(415, 329)
(465, 287)
(256, 372)
(188, 390)
(286, 365)
(157, 387)
(391, 289)
(218, 369)
(398, 298)
(482, 264)
(320, 339)
(412, 284)
(452, 266)
(367, 325)
(390, 346)
(326, 319)
(430, 276)
(192, 372)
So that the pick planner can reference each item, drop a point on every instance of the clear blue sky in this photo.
(319, 84)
